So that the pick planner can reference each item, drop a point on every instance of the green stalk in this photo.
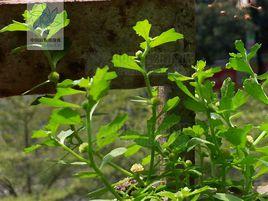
(152, 142)
(261, 136)
(151, 129)
(91, 158)
(80, 158)
(223, 172)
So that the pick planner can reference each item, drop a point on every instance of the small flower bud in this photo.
(250, 139)
(54, 77)
(83, 147)
(136, 168)
(188, 163)
(223, 13)
(139, 54)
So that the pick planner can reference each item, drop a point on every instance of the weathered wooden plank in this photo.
(97, 31)
(42, 1)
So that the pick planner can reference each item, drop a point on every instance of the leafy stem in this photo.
(152, 121)
(91, 156)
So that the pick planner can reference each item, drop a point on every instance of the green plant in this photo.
(215, 138)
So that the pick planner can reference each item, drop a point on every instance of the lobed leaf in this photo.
(143, 29)
(101, 83)
(61, 20)
(107, 134)
(171, 103)
(65, 116)
(54, 102)
(255, 90)
(31, 16)
(226, 197)
(15, 26)
(168, 122)
(40, 134)
(32, 148)
(168, 36)
(127, 62)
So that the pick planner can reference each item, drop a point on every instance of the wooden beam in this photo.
(98, 30)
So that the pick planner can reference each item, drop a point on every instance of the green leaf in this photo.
(66, 83)
(263, 170)
(253, 51)
(237, 136)
(128, 62)
(172, 138)
(193, 142)
(24, 48)
(31, 16)
(101, 83)
(32, 148)
(158, 71)
(255, 90)
(131, 135)
(200, 65)
(61, 20)
(83, 83)
(143, 28)
(86, 175)
(264, 127)
(168, 122)
(171, 103)
(239, 64)
(194, 105)
(226, 197)
(114, 153)
(263, 76)
(168, 36)
(15, 26)
(167, 194)
(184, 89)
(177, 76)
(202, 75)
(195, 131)
(67, 92)
(54, 102)
(64, 134)
(227, 93)
(50, 143)
(132, 149)
(65, 116)
(143, 141)
(107, 134)
(146, 160)
(239, 99)
(239, 45)
(40, 134)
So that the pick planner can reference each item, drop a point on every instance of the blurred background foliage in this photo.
(43, 176)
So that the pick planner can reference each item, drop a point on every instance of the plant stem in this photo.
(217, 146)
(91, 158)
(262, 135)
(151, 131)
(35, 87)
(72, 152)
(152, 121)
